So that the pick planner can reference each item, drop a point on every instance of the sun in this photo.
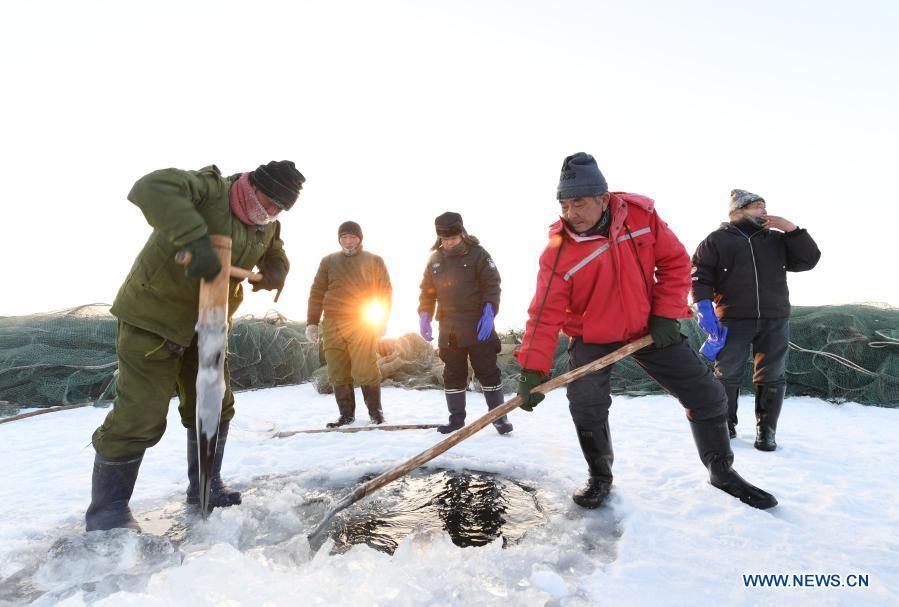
(375, 313)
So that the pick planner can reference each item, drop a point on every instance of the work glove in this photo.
(204, 263)
(665, 331)
(527, 381)
(313, 332)
(485, 325)
(424, 326)
(713, 344)
(274, 274)
(705, 316)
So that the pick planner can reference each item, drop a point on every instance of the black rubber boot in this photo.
(455, 402)
(733, 393)
(220, 495)
(372, 396)
(494, 399)
(112, 484)
(596, 444)
(346, 404)
(713, 445)
(768, 403)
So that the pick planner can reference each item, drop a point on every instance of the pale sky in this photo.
(398, 111)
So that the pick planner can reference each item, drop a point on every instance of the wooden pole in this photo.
(466, 431)
(42, 411)
(184, 256)
(357, 429)
(212, 343)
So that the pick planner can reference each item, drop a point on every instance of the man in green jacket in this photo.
(353, 290)
(157, 308)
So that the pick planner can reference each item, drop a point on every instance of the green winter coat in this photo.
(181, 206)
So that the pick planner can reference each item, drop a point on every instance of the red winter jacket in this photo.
(598, 290)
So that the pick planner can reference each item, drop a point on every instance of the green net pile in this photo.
(838, 353)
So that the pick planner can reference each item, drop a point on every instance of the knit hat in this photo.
(280, 181)
(581, 177)
(742, 198)
(449, 224)
(349, 227)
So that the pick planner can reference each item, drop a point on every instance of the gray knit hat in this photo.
(742, 198)
(580, 177)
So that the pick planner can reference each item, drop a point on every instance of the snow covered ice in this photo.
(665, 538)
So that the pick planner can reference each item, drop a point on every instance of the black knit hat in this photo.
(449, 224)
(741, 198)
(280, 181)
(349, 227)
(580, 177)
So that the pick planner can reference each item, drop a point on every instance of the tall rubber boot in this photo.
(220, 495)
(596, 444)
(713, 446)
(494, 399)
(112, 484)
(455, 402)
(733, 393)
(372, 396)
(346, 404)
(768, 403)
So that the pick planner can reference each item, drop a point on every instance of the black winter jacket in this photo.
(458, 283)
(745, 273)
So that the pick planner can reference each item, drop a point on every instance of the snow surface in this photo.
(666, 538)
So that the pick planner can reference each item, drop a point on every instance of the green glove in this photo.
(665, 331)
(204, 263)
(527, 381)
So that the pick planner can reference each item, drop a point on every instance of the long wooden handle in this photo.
(43, 411)
(491, 416)
(184, 256)
(353, 429)
(460, 435)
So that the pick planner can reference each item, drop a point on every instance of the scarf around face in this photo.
(245, 205)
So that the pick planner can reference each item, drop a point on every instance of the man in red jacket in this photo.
(612, 272)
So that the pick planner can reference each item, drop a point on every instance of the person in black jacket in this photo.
(742, 267)
(463, 283)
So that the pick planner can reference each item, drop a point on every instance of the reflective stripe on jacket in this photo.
(599, 290)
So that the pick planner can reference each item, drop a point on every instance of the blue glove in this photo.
(708, 322)
(424, 326)
(713, 344)
(485, 325)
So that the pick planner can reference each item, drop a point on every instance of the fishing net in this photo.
(839, 353)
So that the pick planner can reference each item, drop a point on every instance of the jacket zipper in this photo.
(755, 271)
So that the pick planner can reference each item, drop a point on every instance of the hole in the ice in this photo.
(473, 508)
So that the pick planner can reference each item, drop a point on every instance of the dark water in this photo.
(473, 508)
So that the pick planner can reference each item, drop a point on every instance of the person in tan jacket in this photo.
(352, 289)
